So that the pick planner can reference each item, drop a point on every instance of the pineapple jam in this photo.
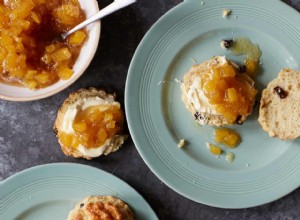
(229, 92)
(29, 55)
(227, 136)
(89, 127)
(243, 45)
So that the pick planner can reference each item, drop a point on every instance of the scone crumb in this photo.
(181, 143)
(177, 81)
(194, 60)
(161, 82)
(226, 12)
(230, 157)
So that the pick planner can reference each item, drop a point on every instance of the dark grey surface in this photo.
(26, 137)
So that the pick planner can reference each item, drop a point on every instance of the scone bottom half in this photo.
(217, 93)
(279, 112)
(90, 124)
(101, 207)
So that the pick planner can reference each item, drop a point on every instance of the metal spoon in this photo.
(116, 5)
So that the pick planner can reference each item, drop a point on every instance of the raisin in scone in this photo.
(217, 93)
(279, 112)
(89, 124)
(101, 208)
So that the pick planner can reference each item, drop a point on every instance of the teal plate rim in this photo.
(155, 121)
(40, 190)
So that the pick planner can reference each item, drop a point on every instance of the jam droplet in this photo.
(280, 92)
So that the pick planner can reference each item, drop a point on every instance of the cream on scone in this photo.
(217, 93)
(101, 208)
(279, 112)
(89, 124)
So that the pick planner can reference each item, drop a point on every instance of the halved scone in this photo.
(279, 112)
(217, 93)
(89, 124)
(101, 208)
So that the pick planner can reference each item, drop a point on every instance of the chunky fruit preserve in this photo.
(30, 53)
(230, 92)
(93, 126)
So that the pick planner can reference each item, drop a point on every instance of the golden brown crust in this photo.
(80, 95)
(101, 208)
(280, 117)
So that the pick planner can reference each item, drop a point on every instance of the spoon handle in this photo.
(116, 5)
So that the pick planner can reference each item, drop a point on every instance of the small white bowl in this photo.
(15, 93)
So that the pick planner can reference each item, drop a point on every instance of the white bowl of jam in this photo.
(35, 63)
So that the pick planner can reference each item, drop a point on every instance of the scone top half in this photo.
(217, 93)
(101, 208)
(279, 112)
(89, 124)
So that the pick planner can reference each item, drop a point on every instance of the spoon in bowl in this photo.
(116, 5)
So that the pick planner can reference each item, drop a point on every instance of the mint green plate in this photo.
(265, 169)
(50, 191)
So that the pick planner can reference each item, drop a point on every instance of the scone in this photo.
(89, 124)
(279, 112)
(217, 93)
(101, 208)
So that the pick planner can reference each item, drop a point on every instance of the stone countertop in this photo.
(27, 139)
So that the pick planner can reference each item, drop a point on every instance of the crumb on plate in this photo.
(226, 12)
(230, 157)
(181, 143)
